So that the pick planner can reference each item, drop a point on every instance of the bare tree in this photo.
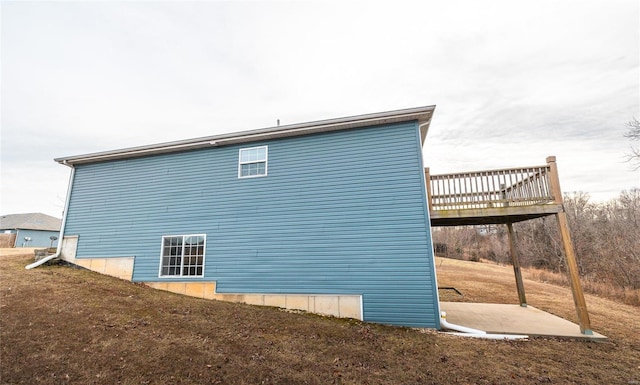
(633, 134)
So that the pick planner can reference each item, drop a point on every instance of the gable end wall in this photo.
(339, 213)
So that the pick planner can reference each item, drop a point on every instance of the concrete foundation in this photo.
(344, 306)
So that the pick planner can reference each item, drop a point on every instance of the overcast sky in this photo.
(513, 81)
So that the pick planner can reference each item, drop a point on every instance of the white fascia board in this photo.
(421, 114)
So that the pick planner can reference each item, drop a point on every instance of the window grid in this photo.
(182, 255)
(252, 162)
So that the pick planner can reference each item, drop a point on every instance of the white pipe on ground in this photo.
(464, 331)
(491, 336)
(44, 260)
(458, 328)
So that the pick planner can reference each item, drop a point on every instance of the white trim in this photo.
(241, 163)
(421, 114)
(181, 275)
(67, 202)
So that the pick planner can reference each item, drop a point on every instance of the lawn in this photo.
(63, 325)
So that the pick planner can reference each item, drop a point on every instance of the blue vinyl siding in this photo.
(339, 213)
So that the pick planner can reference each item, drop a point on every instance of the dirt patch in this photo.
(70, 326)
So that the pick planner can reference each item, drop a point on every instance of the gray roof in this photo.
(421, 114)
(32, 221)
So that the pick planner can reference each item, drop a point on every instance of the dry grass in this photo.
(17, 251)
(601, 289)
(69, 326)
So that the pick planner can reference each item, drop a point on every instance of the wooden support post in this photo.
(516, 265)
(569, 252)
(514, 251)
(554, 180)
(427, 180)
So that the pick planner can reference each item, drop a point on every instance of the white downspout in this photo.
(464, 331)
(458, 328)
(490, 336)
(426, 197)
(64, 222)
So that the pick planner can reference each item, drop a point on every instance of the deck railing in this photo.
(492, 189)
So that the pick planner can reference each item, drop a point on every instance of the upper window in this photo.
(252, 162)
(182, 256)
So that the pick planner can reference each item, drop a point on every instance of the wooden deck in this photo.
(493, 196)
(507, 196)
(491, 215)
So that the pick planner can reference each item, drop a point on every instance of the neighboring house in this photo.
(30, 230)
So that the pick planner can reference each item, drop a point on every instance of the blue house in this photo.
(329, 217)
(29, 230)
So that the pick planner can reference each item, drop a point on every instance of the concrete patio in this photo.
(512, 319)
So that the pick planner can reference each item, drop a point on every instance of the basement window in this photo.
(252, 162)
(182, 255)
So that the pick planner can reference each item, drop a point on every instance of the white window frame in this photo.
(182, 256)
(241, 163)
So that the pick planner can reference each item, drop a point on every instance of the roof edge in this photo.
(421, 114)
